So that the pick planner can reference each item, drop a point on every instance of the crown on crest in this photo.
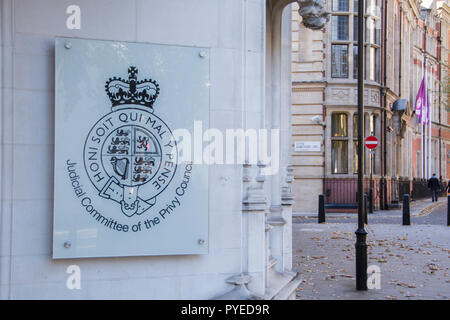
(131, 91)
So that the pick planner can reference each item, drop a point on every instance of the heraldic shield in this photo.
(125, 149)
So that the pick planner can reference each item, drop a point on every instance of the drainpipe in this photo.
(439, 99)
(425, 161)
(400, 52)
(384, 109)
(324, 130)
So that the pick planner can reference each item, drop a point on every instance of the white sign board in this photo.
(119, 189)
(308, 146)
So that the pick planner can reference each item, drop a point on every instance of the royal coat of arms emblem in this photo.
(130, 154)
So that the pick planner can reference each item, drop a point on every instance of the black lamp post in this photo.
(361, 234)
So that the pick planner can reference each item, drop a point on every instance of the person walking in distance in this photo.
(434, 185)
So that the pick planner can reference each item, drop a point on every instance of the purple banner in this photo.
(422, 105)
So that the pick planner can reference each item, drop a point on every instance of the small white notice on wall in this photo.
(308, 146)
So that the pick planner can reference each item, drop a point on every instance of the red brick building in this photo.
(401, 37)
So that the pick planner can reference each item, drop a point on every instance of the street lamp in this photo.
(361, 234)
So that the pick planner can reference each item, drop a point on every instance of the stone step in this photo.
(272, 263)
(281, 285)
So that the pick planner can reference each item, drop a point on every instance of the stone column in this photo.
(287, 200)
(275, 219)
(377, 161)
(286, 138)
(251, 283)
(254, 206)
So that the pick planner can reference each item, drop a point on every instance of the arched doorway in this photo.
(276, 217)
(267, 201)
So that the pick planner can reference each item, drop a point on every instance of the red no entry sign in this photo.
(371, 142)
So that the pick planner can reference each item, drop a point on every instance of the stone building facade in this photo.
(324, 102)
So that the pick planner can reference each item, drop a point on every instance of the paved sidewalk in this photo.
(414, 260)
(418, 208)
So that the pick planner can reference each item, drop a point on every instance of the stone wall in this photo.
(233, 29)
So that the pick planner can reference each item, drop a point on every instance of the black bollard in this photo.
(448, 211)
(321, 208)
(371, 200)
(406, 216)
(365, 208)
